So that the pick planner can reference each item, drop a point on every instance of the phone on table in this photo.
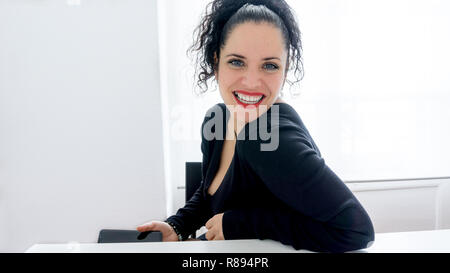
(128, 236)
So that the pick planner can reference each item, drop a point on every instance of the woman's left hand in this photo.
(214, 226)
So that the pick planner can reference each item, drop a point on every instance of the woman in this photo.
(286, 193)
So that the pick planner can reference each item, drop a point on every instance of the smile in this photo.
(246, 99)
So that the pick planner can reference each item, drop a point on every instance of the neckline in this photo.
(221, 144)
(217, 163)
(217, 169)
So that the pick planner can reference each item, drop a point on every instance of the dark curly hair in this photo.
(220, 18)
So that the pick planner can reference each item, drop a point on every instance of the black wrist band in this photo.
(180, 237)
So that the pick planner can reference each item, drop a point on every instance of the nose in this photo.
(252, 78)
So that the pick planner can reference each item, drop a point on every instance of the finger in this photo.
(208, 224)
(146, 227)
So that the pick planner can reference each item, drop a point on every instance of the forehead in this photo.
(255, 39)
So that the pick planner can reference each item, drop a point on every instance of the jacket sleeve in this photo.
(192, 216)
(321, 213)
(196, 211)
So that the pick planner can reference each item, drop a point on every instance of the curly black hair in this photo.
(220, 18)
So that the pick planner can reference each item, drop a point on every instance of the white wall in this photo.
(80, 120)
(405, 205)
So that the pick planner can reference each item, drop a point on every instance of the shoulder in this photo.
(286, 133)
(289, 119)
(282, 118)
(291, 126)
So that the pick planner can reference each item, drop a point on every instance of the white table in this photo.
(414, 241)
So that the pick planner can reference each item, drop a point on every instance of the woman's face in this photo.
(251, 69)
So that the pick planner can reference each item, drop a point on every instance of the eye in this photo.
(239, 63)
(233, 62)
(272, 66)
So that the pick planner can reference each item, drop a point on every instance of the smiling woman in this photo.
(287, 194)
(214, 31)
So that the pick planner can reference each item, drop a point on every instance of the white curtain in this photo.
(374, 96)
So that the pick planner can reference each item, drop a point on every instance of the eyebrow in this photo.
(242, 57)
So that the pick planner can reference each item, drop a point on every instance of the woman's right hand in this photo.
(168, 234)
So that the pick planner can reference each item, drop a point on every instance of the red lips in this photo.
(249, 93)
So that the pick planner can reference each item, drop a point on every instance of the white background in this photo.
(80, 120)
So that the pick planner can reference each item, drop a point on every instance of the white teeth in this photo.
(248, 99)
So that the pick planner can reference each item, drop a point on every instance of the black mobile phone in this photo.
(128, 236)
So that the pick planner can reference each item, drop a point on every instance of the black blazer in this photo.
(287, 194)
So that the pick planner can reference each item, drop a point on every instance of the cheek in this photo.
(275, 82)
(226, 80)
(225, 84)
